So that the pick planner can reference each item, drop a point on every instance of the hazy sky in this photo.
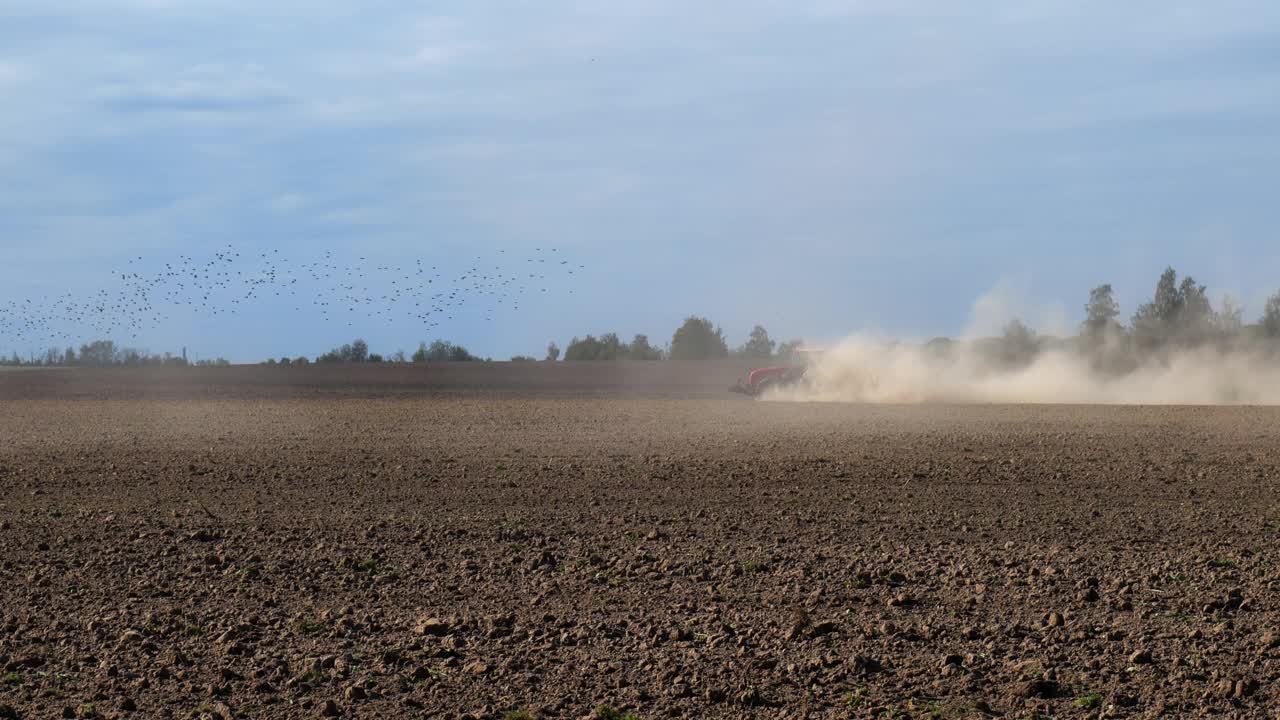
(820, 167)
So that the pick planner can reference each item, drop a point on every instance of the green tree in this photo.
(1019, 344)
(356, 351)
(641, 349)
(1100, 312)
(787, 351)
(457, 353)
(99, 352)
(698, 339)
(1155, 320)
(1178, 311)
(584, 350)
(608, 347)
(758, 344)
(611, 348)
(1270, 321)
(1195, 320)
(553, 351)
(441, 351)
(359, 351)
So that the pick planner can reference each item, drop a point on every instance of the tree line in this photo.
(358, 351)
(696, 339)
(1178, 316)
(105, 353)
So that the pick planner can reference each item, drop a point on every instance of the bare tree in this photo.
(1230, 319)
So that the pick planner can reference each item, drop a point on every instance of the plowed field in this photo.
(502, 539)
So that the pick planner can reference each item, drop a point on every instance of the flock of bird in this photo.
(232, 282)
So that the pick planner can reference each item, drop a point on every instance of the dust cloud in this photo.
(862, 369)
(991, 364)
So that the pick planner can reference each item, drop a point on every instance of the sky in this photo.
(822, 168)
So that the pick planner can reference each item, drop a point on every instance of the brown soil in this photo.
(405, 543)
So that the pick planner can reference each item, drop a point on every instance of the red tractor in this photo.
(765, 378)
(778, 376)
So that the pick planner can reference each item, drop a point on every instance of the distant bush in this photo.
(1100, 313)
(1270, 321)
(698, 339)
(758, 345)
(609, 348)
(99, 353)
(1178, 313)
(606, 347)
(640, 349)
(356, 351)
(442, 351)
(522, 359)
(1019, 344)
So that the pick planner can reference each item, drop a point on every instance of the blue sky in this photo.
(820, 167)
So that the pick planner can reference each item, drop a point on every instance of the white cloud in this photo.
(287, 202)
(358, 216)
(199, 88)
(436, 41)
(434, 55)
(10, 72)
